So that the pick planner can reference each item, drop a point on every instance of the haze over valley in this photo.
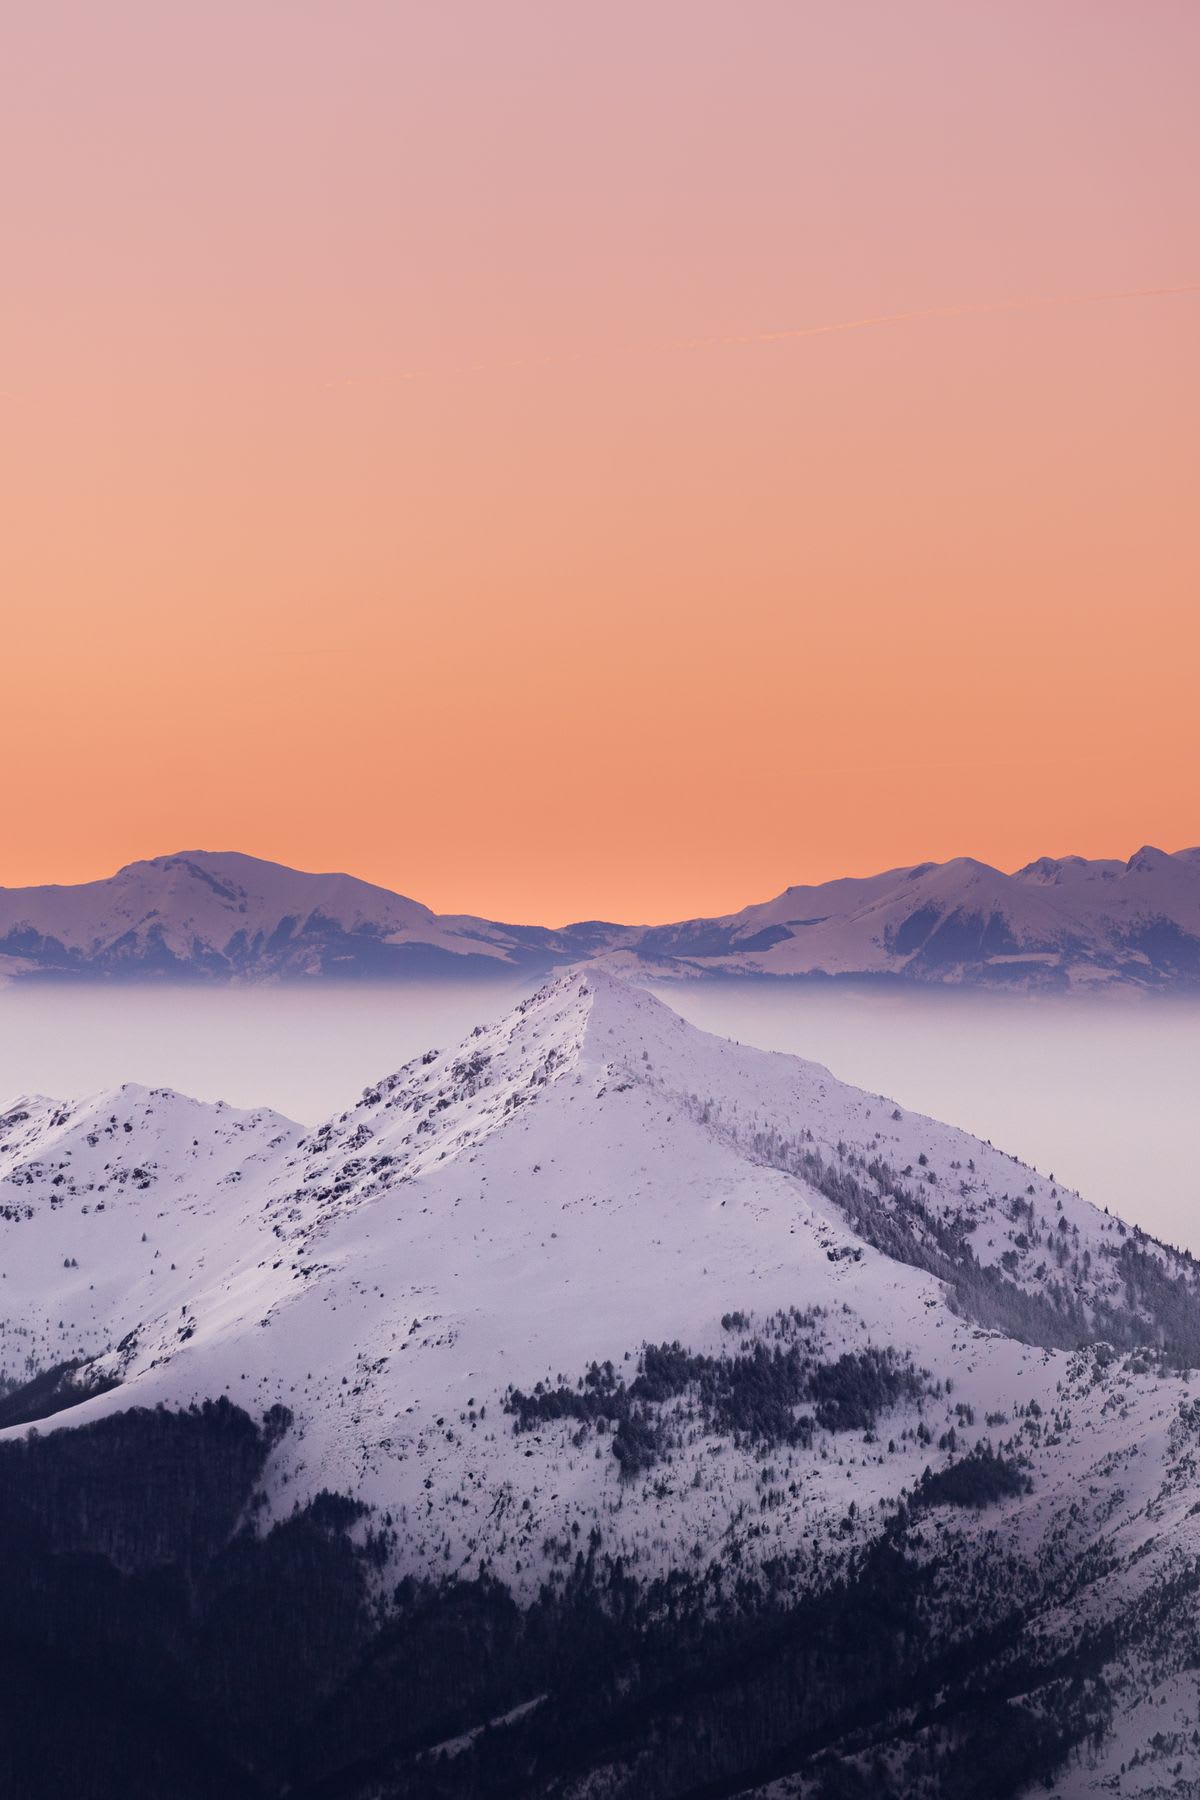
(1100, 1090)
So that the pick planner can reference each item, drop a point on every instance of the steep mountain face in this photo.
(720, 1428)
(1065, 924)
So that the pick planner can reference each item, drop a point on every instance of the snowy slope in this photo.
(113, 1206)
(223, 915)
(586, 1177)
(1057, 922)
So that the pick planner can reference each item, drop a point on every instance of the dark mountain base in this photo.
(153, 1645)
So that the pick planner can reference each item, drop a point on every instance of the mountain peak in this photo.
(593, 1277)
(1148, 860)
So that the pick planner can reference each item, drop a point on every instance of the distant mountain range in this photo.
(1058, 923)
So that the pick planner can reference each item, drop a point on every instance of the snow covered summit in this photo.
(595, 1277)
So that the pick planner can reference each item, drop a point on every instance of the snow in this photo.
(1065, 922)
(199, 907)
(1079, 918)
(587, 1175)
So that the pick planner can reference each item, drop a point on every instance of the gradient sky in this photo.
(404, 468)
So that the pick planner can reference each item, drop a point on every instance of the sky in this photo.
(565, 460)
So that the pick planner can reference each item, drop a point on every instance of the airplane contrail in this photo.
(957, 310)
(733, 339)
(789, 334)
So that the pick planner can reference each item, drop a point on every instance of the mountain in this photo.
(597, 1407)
(225, 916)
(1065, 924)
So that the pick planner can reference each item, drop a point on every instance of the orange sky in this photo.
(401, 473)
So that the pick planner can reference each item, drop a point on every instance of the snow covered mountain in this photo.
(621, 1330)
(214, 916)
(1056, 924)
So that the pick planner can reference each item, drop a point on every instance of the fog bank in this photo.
(1102, 1093)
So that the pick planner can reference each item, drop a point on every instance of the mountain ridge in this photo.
(604, 1326)
(596, 1310)
(1056, 924)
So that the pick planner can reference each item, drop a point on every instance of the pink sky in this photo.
(404, 469)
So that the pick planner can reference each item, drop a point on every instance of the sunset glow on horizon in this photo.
(484, 449)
